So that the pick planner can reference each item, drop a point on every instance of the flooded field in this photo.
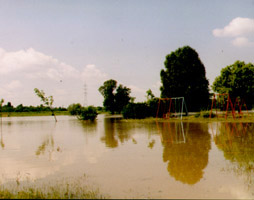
(130, 159)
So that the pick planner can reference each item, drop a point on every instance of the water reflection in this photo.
(236, 140)
(48, 144)
(2, 139)
(186, 148)
(109, 137)
(89, 127)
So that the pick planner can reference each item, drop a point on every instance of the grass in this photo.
(77, 189)
(203, 116)
(26, 114)
(53, 193)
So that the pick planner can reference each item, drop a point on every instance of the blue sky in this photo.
(59, 45)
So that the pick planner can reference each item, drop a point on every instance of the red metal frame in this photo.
(227, 106)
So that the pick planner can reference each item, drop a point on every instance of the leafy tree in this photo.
(122, 97)
(185, 76)
(237, 80)
(74, 108)
(1, 108)
(46, 100)
(107, 91)
(19, 108)
(87, 113)
(115, 98)
(8, 107)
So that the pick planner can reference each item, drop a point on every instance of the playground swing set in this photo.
(171, 107)
(226, 106)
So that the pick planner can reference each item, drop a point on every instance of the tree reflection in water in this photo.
(119, 131)
(110, 133)
(236, 140)
(48, 144)
(186, 148)
(2, 139)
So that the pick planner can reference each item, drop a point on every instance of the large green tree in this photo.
(238, 81)
(185, 76)
(115, 98)
(122, 97)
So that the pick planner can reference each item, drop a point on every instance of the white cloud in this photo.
(242, 42)
(34, 64)
(92, 75)
(242, 29)
(237, 27)
(21, 71)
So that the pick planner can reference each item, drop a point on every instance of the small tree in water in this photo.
(87, 113)
(48, 101)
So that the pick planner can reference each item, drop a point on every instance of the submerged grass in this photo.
(31, 193)
(67, 191)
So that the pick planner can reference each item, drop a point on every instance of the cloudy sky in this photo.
(59, 46)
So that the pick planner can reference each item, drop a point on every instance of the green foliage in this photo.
(135, 111)
(46, 100)
(185, 76)
(87, 113)
(122, 97)
(115, 98)
(142, 110)
(107, 91)
(237, 80)
(74, 108)
(8, 107)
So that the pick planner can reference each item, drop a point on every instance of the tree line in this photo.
(184, 75)
(8, 107)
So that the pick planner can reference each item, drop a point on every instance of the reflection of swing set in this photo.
(171, 107)
(232, 131)
(176, 133)
(224, 103)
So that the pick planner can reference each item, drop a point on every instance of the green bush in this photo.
(135, 111)
(74, 108)
(87, 113)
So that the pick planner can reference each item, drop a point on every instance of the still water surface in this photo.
(132, 159)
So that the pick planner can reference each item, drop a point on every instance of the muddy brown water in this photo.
(132, 159)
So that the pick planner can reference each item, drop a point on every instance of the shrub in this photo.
(87, 113)
(74, 108)
(135, 111)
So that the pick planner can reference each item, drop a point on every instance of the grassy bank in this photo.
(52, 193)
(66, 188)
(197, 118)
(26, 114)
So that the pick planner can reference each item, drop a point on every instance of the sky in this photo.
(63, 46)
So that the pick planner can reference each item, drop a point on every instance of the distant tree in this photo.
(122, 97)
(19, 108)
(185, 76)
(74, 108)
(115, 98)
(1, 107)
(87, 113)
(48, 101)
(237, 80)
(8, 107)
(107, 91)
(149, 95)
